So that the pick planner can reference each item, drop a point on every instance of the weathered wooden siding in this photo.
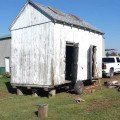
(29, 16)
(38, 50)
(59, 55)
(85, 39)
(31, 55)
(32, 49)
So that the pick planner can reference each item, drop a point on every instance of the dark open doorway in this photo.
(71, 61)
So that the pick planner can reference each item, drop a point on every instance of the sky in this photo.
(103, 14)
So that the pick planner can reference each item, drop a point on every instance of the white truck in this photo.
(110, 65)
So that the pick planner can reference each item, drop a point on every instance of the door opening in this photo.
(94, 62)
(71, 61)
(93, 72)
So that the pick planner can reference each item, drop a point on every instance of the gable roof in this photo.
(64, 18)
(60, 17)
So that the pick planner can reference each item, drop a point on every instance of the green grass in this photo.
(100, 105)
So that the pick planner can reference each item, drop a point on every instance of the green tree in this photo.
(111, 53)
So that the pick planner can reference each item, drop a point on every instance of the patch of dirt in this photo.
(99, 84)
(102, 104)
(116, 77)
(3, 94)
(94, 87)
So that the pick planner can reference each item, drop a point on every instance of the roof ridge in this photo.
(60, 17)
(68, 18)
(55, 10)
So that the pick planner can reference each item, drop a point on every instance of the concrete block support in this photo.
(19, 91)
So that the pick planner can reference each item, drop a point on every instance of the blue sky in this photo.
(103, 14)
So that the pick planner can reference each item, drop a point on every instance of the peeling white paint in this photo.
(38, 51)
(29, 17)
(85, 40)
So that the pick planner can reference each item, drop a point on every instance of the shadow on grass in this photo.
(26, 91)
(41, 92)
(10, 88)
(87, 83)
(36, 113)
(70, 89)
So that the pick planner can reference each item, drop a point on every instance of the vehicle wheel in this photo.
(78, 88)
(111, 72)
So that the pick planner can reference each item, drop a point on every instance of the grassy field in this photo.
(101, 105)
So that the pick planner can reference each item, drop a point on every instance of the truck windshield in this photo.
(118, 59)
(108, 60)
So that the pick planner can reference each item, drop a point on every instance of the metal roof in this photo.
(64, 18)
(5, 37)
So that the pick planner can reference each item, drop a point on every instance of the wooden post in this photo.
(42, 111)
(19, 91)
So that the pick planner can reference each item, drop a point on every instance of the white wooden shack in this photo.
(49, 47)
